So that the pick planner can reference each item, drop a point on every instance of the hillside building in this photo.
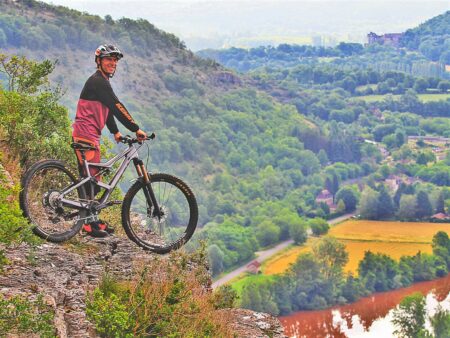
(326, 197)
(391, 39)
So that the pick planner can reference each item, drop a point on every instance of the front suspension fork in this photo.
(148, 191)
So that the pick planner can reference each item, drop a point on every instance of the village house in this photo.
(254, 267)
(326, 197)
(391, 39)
(441, 216)
(393, 182)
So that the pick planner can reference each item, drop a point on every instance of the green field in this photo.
(422, 97)
(245, 279)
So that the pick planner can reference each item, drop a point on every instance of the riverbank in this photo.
(368, 317)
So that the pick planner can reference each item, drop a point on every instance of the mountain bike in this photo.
(159, 211)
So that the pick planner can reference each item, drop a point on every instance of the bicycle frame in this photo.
(128, 155)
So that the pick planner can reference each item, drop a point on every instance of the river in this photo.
(369, 317)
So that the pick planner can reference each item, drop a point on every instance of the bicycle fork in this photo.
(148, 191)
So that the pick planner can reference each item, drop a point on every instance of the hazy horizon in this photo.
(240, 23)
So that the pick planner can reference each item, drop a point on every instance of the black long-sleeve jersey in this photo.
(97, 106)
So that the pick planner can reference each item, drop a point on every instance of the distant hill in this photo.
(428, 44)
(432, 38)
(152, 57)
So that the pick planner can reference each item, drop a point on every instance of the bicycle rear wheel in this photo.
(42, 185)
(178, 214)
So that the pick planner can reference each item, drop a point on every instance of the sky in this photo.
(248, 23)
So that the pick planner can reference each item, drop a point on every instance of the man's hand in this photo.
(141, 135)
(117, 136)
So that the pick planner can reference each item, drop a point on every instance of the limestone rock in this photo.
(65, 273)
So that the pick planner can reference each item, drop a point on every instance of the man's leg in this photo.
(91, 156)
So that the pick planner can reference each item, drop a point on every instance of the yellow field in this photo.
(279, 263)
(394, 239)
(356, 250)
(388, 231)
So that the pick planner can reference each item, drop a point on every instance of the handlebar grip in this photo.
(129, 139)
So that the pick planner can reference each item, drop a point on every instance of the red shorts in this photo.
(91, 156)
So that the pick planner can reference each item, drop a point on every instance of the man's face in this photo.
(109, 64)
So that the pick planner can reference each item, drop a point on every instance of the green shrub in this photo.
(13, 226)
(19, 315)
(225, 297)
(35, 125)
(165, 298)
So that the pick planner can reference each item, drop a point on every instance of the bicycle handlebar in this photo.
(127, 139)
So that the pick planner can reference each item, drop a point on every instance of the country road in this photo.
(265, 254)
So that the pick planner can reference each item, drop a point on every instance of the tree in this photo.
(421, 85)
(441, 247)
(409, 316)
(443, 86)
(298, 233)
(323, 158)
(335, 185)
(348, 195)
(331, 256)
(215, 256)
(407, 208)
(386, 207)
(340, 208)
(251, 298)
(424, 157)
(440, 323)
(440, 203)
(318, 226)
(424, 208)
(25, 76)
(378, 272)
(368, 204)
(267, 233)
(400, 138)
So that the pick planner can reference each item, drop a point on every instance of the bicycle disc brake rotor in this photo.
(157, 220)
(52, 205)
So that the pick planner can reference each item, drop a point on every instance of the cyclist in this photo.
(97, 106)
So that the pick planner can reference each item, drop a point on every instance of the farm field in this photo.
(422, 97)
(394, 239)
(412, 232)
(356, 250)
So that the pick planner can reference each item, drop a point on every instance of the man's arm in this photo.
(116, 108)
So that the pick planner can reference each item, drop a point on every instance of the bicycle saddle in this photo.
(82, 146)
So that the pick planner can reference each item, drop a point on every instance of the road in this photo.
(266, 254)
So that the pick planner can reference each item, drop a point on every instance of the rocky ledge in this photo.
(65, 273)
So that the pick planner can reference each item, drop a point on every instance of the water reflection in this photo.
(368, 317)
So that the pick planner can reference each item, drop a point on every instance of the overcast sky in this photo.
(246, 23)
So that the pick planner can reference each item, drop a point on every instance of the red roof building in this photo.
(254, 267)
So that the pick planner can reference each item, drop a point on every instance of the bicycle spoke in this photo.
(166, 227)
(45, 185)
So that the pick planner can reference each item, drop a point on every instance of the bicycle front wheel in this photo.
(42, 186)
(167, 229)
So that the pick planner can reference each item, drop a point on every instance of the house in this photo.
(440, 216)
(254, 267)
(391, 39)
(326, 197)
(393, 182)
